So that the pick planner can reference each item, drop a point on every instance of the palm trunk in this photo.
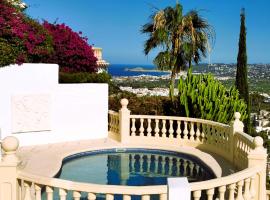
(172, 83)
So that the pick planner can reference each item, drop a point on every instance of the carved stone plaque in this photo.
(31, 113)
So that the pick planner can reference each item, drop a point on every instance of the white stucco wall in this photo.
(38, 110)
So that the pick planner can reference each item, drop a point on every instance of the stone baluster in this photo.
(218, 139)
(185, 130)
(164, 130)
(221, 191)
(252, 187)
(9, 189)
(170, 166)
(141, 127)
(247, 195)
(62, 194)
(157, 128)
(191, 167)
(91, 196)
(133, 128)
(210, 193)
(37, 192)
(163, 164)
(197, 194)
(197, 170)
(135, 161)
(231, 191)
(124, 122)
(163, 197)
(49, 193)
(145, 197)
(149, 129)
(156, 164)
(178, 130)
(171, 129)
(126, 197)
(27, 192)
(132, 163)
(240, 190)
(113, 123)
(148, 161)
(185, 167)
(198, 133)
(192, 132)
(203, 134)
(109, 197)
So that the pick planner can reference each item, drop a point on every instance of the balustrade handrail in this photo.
(246, 136)
(226, 180)
(90, 187)
(189, 119)
(134, 190)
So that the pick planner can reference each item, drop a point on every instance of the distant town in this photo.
(259, 83)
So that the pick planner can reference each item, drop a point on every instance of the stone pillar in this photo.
(258, 157)
(124, 122)
(236, 126)
(9, 189)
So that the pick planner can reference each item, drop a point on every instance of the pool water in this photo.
(133, 167)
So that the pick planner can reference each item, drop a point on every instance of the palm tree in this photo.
(183, 39)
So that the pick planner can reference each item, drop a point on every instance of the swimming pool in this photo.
(133, 167)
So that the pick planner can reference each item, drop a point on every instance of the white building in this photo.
(102, 64)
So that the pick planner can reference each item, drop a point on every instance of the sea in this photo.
(117, 70)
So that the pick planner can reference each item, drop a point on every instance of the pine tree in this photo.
(241, 73)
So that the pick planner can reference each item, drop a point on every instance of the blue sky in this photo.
(115, 25)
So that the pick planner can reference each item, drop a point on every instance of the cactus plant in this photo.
(202, 96)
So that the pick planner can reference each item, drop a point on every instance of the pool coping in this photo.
(46, 160)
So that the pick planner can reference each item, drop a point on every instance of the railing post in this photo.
(236, 126)
(8, 169)
(258, 157)
(124, 121)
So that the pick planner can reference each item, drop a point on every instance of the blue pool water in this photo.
(133, 167)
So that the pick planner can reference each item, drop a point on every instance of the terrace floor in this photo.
(46, 160)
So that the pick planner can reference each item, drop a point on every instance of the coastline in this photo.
(140, 69)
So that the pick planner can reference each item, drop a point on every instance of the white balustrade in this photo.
(227, 141)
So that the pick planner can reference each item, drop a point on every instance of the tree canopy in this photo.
(183, 39)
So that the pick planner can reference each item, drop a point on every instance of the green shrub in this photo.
(84, 77)
(202, 96)
(145, 105)
(8, 52)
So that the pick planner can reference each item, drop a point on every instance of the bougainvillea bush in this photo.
(22, 39)
(71, 50)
